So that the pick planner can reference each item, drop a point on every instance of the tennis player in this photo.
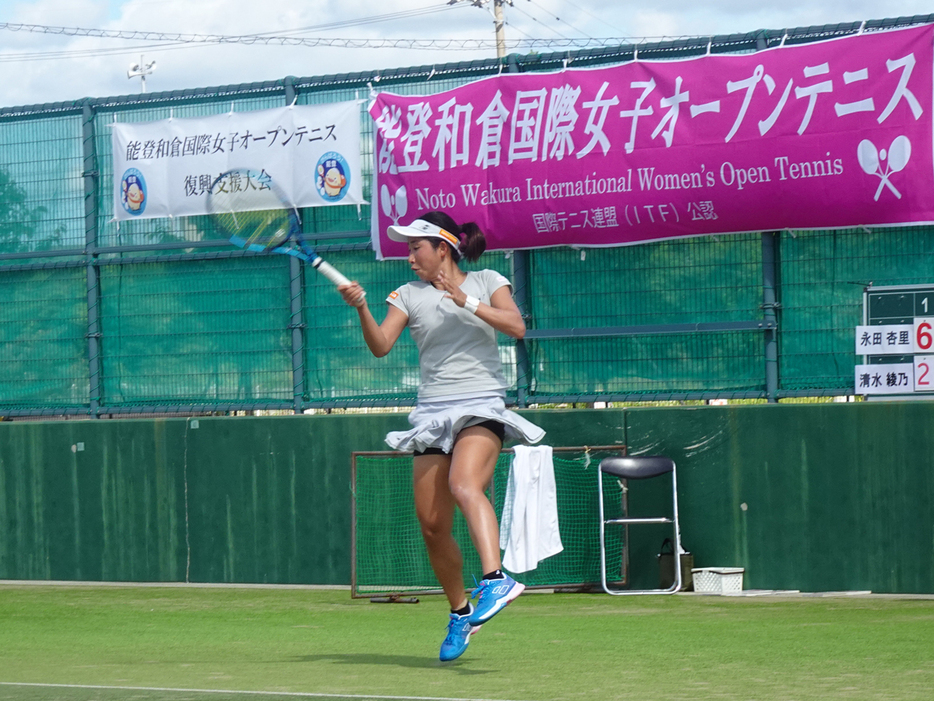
(460, 420)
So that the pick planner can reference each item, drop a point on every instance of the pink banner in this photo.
(824, 135)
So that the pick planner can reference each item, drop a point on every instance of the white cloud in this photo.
(77, 75)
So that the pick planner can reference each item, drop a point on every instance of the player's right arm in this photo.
(380, 338)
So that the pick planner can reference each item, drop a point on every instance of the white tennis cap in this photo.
(421, 229)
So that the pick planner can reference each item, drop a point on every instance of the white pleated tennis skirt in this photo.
(435, 424)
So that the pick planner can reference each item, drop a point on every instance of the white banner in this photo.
(165, 168)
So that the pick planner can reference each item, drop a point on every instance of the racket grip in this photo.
(329, 271)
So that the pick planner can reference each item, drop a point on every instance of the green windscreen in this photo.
(389, 556)
(103, 317)
(197, 332)
(43, 327)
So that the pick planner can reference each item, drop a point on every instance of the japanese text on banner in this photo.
(830, 134)
(166, 168)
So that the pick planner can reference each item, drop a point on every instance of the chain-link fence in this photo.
(161, 315)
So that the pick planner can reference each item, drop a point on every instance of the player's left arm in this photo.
(502, 313)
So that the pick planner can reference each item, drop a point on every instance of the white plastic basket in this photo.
(718, 580)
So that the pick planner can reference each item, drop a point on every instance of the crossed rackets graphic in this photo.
(394, 205)
(884, 163)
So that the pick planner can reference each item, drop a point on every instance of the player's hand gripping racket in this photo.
(249, 207)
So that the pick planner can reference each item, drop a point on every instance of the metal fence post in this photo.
(297, 325)
(520, 276)
(91, 176)
(289, 84)
(770, 307)
(296, 306)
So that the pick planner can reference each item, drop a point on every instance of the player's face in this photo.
(424, 259)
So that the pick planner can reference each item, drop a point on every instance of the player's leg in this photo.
(473, 462)
(434, 506)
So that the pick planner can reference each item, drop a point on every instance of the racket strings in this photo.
(266, 229)
(256, 217)
(271, 230)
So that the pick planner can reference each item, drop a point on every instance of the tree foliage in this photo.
(19, 222)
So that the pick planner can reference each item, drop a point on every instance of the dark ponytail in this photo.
(473, 242)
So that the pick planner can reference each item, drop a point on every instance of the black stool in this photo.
(638, 468)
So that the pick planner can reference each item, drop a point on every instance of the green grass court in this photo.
(174, 643)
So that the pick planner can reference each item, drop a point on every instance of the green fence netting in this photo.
(43, 322)
(161, 315)
(192, 332)
(388, 553)
(824, 274)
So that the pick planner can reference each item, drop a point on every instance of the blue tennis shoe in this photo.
(458, 637)
(494, 595)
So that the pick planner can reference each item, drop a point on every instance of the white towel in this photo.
(529, 530)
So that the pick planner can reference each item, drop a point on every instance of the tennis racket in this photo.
(255, 214)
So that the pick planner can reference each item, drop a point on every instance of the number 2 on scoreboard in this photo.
(924, 377)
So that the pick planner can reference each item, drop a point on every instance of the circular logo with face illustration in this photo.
(332, 176)
(133, 192)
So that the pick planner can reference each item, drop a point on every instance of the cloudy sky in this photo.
(49, 51)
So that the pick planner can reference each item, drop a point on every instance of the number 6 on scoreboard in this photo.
(924, 334)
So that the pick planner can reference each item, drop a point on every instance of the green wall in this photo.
(837, 496)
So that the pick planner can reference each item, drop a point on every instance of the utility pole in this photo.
(499, 21)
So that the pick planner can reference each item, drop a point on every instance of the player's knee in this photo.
(465, 493)
(434, 528)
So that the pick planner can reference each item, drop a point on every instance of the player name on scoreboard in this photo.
(897, 343)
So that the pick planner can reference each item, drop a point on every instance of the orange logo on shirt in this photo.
(393, 295)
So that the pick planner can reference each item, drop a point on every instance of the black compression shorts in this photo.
(498, 429)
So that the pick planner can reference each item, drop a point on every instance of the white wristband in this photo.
(472, 304)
